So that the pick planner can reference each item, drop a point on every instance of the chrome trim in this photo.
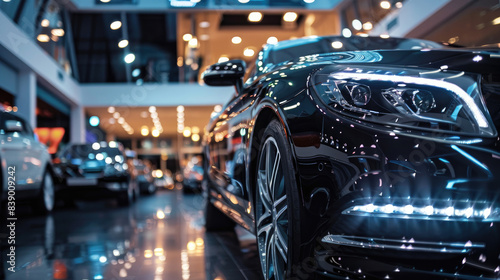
(402, 244)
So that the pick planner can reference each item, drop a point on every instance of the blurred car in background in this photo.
(193, 175)
(163, 180)
(95, 170)
(26, 170)
(143, 177)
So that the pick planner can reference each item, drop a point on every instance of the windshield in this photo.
(87, 152)
(288, 50)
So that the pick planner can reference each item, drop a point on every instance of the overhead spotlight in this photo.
(290, 17)
(115, 25)
(129, 58)
(152, 109)
(346, 32)
(155, 132)
(223, 59)
(123, 43)
(399, 5)
(105, 1)
(243, 1)
(309, 1)
(144, 131)
(136, 72)
(116, 115)
(248, 52)
(385, 4)
(236, 40)
(195, 137)
(186, 37)
(111, 109)
(180, 108)
(45, 23)
(193, 43)
(204, 24)
(255, 17)
(367, 25)
(272, 40)
(187, 131)
(43, 38)
(356, 24)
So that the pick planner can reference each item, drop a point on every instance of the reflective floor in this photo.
(159, 237)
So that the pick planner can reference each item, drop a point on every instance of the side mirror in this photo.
(13, 126)
(229, 73)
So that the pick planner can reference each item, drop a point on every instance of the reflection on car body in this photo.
(360, 157)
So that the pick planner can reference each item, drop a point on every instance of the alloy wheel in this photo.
(272, 212)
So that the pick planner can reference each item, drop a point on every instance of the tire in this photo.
(46, 200)
(125, 198)
(276, 206)
(215, 220)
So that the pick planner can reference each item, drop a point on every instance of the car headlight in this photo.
(410, 98)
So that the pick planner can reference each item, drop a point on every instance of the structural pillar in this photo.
(77, 125)
(26, 97)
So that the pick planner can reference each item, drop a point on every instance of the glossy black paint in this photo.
(340, 162)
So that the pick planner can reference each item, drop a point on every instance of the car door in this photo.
(36, 156)
(228, 142)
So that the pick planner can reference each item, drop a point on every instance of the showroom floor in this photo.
(159, 237)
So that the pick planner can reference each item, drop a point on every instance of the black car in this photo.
(360, 158)
(97, 170)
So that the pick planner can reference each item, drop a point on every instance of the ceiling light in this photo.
(43, 38)
(121, 120)
(385, 4)
(116, 115)
(144, 131)
(399, 5)
(309, 1)
(105, 1)
(272, 40)
(195, 137)
(155, 132)
(356, 24)
(111, 109)
(290, 17)
(243, 1)
(346, 32)
(187, 131)
(45, 23)
(123, 43)
(152, 109)
(384, 36)
(367, 25)
(254, 17)
(496, 21)
(136, 72)
(115, 25)
(144, 114)
(193, 43)
(337, 45)
(236, 40)
(248, 52)
(204, 37)
(223, 59)
(186, 37)
(217, 108)
(129, 58)
(180, 108)
(58, 32)
(94, 121)
(204, 24)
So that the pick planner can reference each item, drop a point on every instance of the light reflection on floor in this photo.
(159, 237)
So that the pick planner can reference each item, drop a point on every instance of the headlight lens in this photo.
(407, 97)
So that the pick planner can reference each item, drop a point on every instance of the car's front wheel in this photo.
(277, 223)
(46, 199)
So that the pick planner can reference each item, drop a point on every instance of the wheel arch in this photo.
(265, 114)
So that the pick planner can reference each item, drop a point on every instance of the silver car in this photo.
(26, 170)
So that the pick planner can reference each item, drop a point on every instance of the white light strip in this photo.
(425, 212)
(478, 115)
